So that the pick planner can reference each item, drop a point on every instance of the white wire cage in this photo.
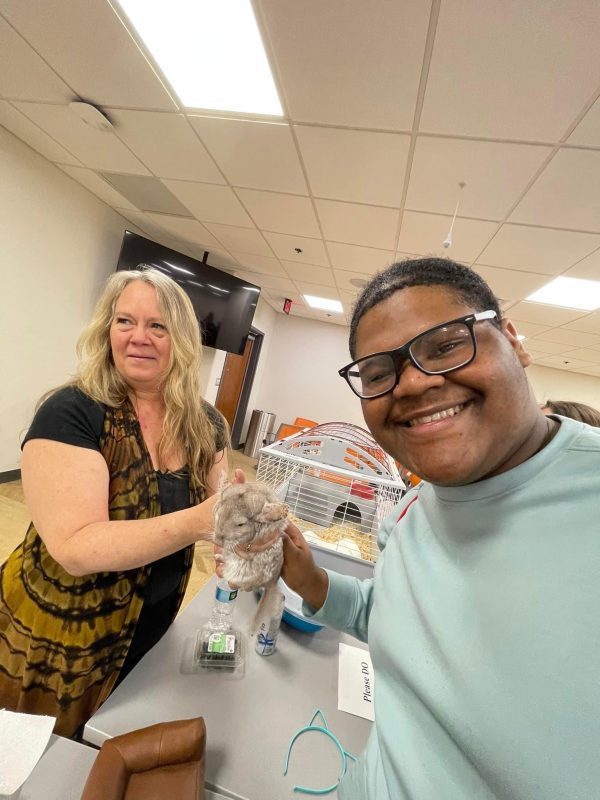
(338, 484)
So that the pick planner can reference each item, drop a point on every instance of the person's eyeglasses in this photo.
(444, 348)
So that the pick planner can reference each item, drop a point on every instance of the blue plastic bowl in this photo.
(292, 612)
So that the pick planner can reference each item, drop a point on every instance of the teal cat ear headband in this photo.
(343, 753)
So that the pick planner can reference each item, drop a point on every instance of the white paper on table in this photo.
(23, 739)
(356, 682)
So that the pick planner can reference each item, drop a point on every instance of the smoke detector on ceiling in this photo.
(91, 115)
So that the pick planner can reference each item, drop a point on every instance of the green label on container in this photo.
(221, 643)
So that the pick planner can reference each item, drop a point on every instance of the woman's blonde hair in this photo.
(186, 423)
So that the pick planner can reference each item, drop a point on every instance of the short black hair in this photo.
(464, 282)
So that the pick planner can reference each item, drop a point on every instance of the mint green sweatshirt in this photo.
(483, 623)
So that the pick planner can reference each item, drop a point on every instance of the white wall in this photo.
(557, 384)
(300, 378)
(58, 243)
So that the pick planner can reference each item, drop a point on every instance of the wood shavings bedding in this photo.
(335, 533)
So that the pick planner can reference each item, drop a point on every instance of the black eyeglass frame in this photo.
(403, 353)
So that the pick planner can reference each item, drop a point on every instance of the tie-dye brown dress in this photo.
(63, 639)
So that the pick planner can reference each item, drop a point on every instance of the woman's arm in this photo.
(66, 490)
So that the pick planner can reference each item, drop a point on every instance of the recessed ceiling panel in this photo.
(280, 213)
(166, 144)
(88, 46)
(263, 264)
(566, 193)
(534, 249)
(543, 314)
(309, 273)
(100, 150)
(359, 259)
(98, 186)
(423, 234)
(372, 226)
(511, 284)
(243, 240)
(493, 64)
(359, 166)
(31, 134)
(347, 62)
(210, 203)
(588, 130)
(184, 228)
(495, 175)
(256, 155)
(588, 268)
(312, 251)
(147, 194)
(26, 76)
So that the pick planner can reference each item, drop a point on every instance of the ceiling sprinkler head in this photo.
(447, 242)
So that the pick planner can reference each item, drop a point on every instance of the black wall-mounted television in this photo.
(224, 304)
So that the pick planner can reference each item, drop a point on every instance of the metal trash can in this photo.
(261, 427)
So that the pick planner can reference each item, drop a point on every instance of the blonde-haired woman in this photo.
(120, 469)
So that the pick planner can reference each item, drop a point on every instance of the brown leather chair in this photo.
(162, 762)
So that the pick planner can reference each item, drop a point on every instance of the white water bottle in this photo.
(221, 617)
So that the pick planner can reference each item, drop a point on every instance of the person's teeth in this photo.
(447, 412)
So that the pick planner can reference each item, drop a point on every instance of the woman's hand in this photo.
(299, 570)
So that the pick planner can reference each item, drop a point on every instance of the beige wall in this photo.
(556, 384)
(58, 244)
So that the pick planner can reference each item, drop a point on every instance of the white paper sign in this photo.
(356, 682)
(23, 739)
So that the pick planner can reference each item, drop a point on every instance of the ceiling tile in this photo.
(147, 225)
(146, 193)
(271, 282)
(281, 213)
(313, 250)
(562, 362)
(541, 250)
(254, 263)
(495, 174)
(528, 329)
(89, 47)
(369, 77)
(509, 283)
(574, 338)
(298, 303)
(358, 224)
(309, 273)
(588, 130)
(588, 268)
(590, 323)
(189, 230)
(423, 234)
(586, 354)
(166, 144)
(343, 279)
(31, 134)
(95, 184)
(100, 150)
(492, 63)
(359, 259)
(210, 203)
(542, 346)
(590, 369)
(316, 290)
(256, 155)
(26, 76)
(566, 193)
(542, 314)
(359, 166)
(243, 240)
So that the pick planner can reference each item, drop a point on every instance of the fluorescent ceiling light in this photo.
(323, 303)
(210, 52)
(520, 337)
(569, 293)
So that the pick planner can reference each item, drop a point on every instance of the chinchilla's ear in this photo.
(271, 512)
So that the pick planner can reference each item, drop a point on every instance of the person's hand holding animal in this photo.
(299, 570)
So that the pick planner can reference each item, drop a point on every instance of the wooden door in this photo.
(232, 382)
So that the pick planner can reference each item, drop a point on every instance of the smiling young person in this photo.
(482, 615)
(120, 470)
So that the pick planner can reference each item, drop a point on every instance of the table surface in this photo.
(61, 772)
(249, 719)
